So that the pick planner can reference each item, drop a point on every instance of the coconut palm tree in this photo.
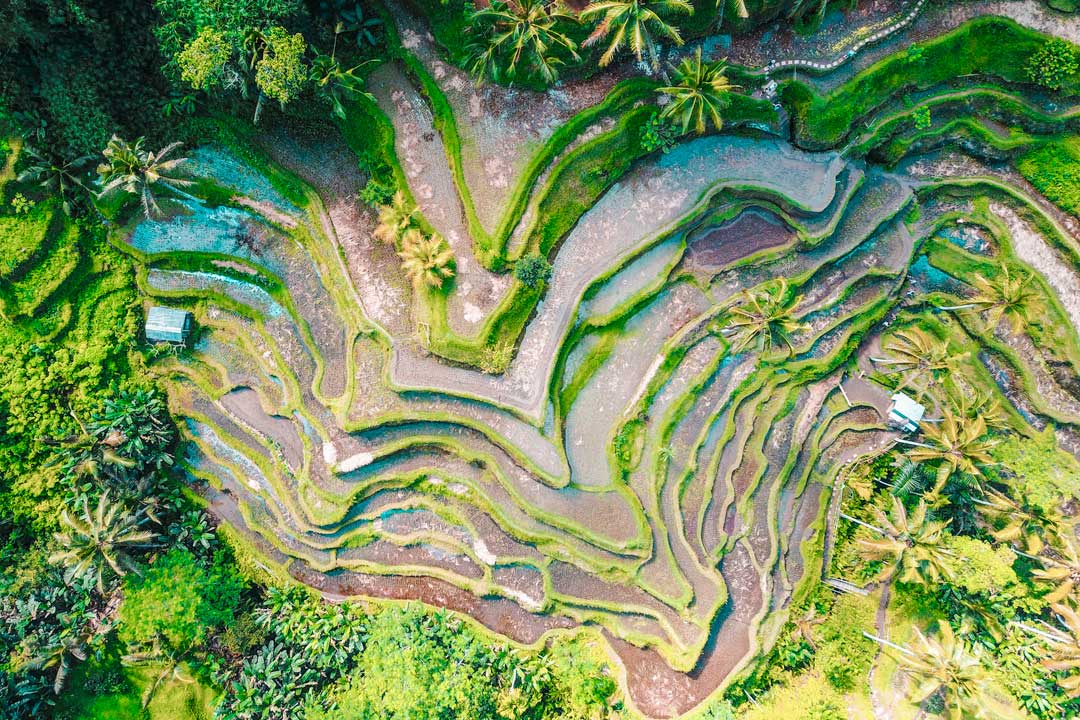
(510, 36)
(950, 668)
(395, 218)
(1008, 295)
(426, 259)
(131, 169)
(634, 23)
(912, 545)
(918, 357)
(700, 93)
(971, 402)
(1023, 523)
(97, 542)
(336, 82)
(763, 319)
(1061, 570)
(1066, 650)
(958, 445)
(61, 178)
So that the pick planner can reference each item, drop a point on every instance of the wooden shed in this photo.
(168, 325)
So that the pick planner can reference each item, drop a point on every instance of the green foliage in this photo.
(21, 205)
(1053, 63)
(533, 270)
(1037, 468)
(809, 698)
(202, 62)
(921, 118)
(281, 72)
(177, 601)
(844, 655)
(658, 134)
(980, 568)
(183, 20)
(420, 664)
(1054, 170)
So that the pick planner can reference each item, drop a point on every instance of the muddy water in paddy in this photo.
(749, 232)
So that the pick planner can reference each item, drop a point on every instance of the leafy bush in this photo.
(533, 270)
(1053, 64)
(921, 118)
(844, 654)
(658, 134)
(177, 601)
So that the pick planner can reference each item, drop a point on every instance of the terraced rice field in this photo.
(627, 471)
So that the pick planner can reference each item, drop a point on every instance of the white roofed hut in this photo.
(169, 325)
(905, 413)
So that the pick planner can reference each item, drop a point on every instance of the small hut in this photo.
(168, 325)
(905, 413)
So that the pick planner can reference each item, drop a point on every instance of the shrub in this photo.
(376, 194)
(533, 270)
(921, 118)
(1053, 64)
(176, 601)
(658, 134)
(844, 655)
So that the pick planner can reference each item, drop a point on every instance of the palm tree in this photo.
(1020, 522)
(395, 218)
(98, 542)
(131, 169)
(919, 357)
(426, 259)
(948, 667)
(57, 176)
(970, 403)
(57, 653)
(957, 444)
(911, 543)
(633, 23)
(763, 319)
(700, 93)
(1009, 296)
(508, 36)
(1061, 569)
(337, 82)
(1066, 650)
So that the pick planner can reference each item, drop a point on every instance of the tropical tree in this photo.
(1008, 295)
(133, 170)
(918, 357)
(426, 259)
(276, 59)
(700, 93)
(634, 23)
(98, 542)
(912, 545)
(336, 82)
(958, 445)
(511, 36)
(61, 178)
(1061, 570)
(395, 218)
(763, 319)
(947, 667)
(1065, 650)
(1021, 522)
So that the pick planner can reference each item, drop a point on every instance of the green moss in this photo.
(1054, 170)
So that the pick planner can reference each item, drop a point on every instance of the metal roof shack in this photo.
(168, 325)
(905, 413)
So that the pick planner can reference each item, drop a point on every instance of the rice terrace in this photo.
(540, 359)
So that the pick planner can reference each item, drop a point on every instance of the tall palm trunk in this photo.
(258, 107)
